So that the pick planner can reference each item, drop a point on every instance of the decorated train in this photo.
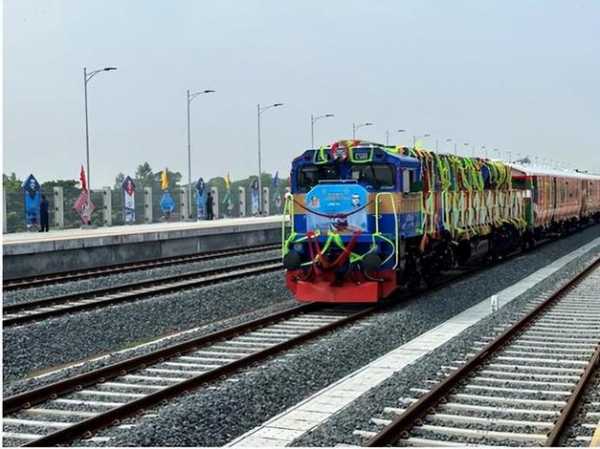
(363, 219)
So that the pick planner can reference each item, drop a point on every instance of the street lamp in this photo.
(387, 135)
(86, 79)
(190, 97)
(259, 111)
(313, 119)
(356, 127)
(448, 140)
(419, 137)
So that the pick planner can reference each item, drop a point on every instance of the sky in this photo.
(517, 75)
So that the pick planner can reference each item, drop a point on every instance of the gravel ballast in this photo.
(216, 415)
(114, 280)
(70, 338)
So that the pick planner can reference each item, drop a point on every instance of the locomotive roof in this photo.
(533, 170)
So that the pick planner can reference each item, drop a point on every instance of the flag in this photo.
(164, 180)
(82, 179)
(276, 179)
(227, 198)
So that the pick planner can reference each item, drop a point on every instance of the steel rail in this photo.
(88, 427)
(568, 410)
(427, 403)
(133, 291)
(68, 276)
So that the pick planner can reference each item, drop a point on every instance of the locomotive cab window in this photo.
(309, 176)
(377, 176)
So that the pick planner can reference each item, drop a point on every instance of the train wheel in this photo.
(463, 252)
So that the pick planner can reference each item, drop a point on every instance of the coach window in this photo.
(377, 176)
(308, 177)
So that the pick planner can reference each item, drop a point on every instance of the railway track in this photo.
(25, 312)
(80, 406)
(68, 276)
(521, 389)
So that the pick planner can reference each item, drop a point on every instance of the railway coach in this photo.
(365, 218)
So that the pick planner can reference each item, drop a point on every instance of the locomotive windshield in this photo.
(310, 176)
(378, 176)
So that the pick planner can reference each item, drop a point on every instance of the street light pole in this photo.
(387, 135)
(87, 135)
(314, 119)
(86, 79)
(356, 127)
(415, 138)
(190, 97)
(259, 111)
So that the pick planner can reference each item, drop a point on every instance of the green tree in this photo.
(144, 175)
(119, 180)
(66, 184)
(11, 183)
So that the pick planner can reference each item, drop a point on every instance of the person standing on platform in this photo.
(44, 218)
(209, 206)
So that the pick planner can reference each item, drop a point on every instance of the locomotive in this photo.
(363, 219)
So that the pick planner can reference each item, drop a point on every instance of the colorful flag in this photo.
(82, 179)
(227, 198)
(164, 180)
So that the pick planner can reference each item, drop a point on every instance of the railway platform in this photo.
(66, 250)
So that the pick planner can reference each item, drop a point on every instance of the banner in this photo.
(167, 204)
(201, 199)
(83, 204)
(337, 207)
(254, 197)
(83, 208)
(33, 196)
(128, 200)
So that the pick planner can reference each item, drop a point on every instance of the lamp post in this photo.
(356, 127)
(259, 111)
(387, 135)
(313, 119)
(190, 97)
(448, 140)
(419, 137)
(86, 79)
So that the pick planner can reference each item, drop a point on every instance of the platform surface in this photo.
(27, 242)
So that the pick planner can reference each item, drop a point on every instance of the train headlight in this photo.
(291, 261)
(371, 262)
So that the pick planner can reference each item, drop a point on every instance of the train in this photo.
(363, 219)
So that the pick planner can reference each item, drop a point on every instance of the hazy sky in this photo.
(517, 75)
